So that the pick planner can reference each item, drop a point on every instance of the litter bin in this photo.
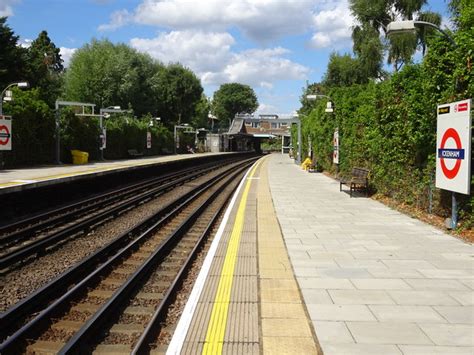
(79, 157)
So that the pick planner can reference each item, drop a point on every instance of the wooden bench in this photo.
(134, 153)
(359, 180)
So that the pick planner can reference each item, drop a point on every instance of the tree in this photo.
(45, 66)
(201, 116)
(373, 16)
(343, 70)
(178, 91)
(112, 74)
(12, 56)
(233, 98)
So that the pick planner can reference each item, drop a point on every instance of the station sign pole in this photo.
(453, 150)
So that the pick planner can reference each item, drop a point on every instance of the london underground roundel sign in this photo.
(453, 158)
(5, 133)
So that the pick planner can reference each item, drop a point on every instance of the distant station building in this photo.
(247, 131)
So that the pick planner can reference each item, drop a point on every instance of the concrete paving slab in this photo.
(388, 333)
(380, 284)
(457, 314)
(406, 314)
(344, 273)
(427, 298)
(429, 350)
(327, 283)
(316, 296)
(359, 349)
(450, 334)
(379, 274)
(361, 297)
(464, 298)
(338, 312)
(333, 332)
(434, 284)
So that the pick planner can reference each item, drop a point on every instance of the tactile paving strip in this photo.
(242, 326)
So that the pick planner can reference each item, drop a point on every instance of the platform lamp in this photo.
(103, 113)
(411, 25)
(21, 85)
(329, 109)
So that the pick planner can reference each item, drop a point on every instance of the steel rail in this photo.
(42, 244)
(64, 280)
(81, 206)
(80, 343)
(65, 283)
(151, 330)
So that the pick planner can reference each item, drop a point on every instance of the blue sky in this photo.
(273, 46)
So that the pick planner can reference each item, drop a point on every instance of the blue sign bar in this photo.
(451, 153)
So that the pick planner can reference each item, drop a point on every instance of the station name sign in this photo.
(453, 146)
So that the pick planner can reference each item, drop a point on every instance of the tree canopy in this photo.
(12, 56)
(110, 74)
(177, 93)
(233, 98)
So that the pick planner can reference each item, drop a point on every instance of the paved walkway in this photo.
(374, 280)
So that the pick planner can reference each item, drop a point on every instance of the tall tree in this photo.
(45, 66)
(12, 56)
(178, 93)
(112, 74)
(343, 70)
(233, 98)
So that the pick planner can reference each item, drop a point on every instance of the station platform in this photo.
(298, 267)
(26, 178)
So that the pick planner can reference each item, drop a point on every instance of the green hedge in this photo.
(389, 128)
(33, 140)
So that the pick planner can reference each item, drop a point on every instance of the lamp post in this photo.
(103, 114)
(21, 85)
(330, 109)
(175, 135)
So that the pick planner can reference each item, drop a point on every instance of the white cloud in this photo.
(117, 19)
(6, 9)
(333, 26)
(200, 51)
(210, 56)
(259, 19)
(66, 54)
(266, 108)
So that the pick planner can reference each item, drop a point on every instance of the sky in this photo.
(275, 46)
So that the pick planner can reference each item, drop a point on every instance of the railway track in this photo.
(33, 235)
(116, 297)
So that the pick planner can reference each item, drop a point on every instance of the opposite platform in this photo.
(25, 178)
(374, 281)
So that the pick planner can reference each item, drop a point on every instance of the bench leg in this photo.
(351, 188)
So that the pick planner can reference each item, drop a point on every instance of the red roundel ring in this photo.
(451, 173)
(7, 138)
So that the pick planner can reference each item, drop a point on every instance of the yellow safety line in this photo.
(217, 324)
